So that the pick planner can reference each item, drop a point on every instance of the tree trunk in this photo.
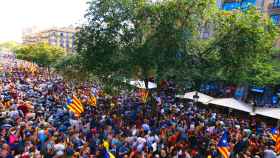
(146, 81)
(150, 100)
(49, 73)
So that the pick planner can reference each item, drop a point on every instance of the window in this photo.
(275, 19)
(205, 35)
(246, 4)
(276, 4)
(73, 40)
(52, 41)
(67, 44)
(231, 5)
(219, 3)
(67, 37)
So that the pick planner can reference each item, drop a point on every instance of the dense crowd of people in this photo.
(36, 123)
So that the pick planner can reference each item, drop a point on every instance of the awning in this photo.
(179, 96)
(233, 104)
(268, 112)
(141, 84)
(203, 98)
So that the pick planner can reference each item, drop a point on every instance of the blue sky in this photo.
(15, 15)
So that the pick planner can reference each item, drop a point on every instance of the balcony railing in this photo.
(238, 4)
(274, 8)
(230, 1)
(276, 4)
(275, 19)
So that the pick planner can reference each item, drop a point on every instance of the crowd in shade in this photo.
(36, 122)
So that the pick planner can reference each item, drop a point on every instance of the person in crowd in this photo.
(35, 122)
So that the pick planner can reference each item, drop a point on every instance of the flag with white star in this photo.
(223, 145)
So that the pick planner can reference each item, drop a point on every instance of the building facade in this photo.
(242, 4)
(273, 9)
(270, 8)
(61, 37)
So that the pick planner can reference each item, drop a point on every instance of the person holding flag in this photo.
(75, 105)
(107, 153)
(276, 138)
(274, 134)
(144, 95)
(223, 145)
(92, 100)
(158, 99)
(277, 145)
(33, 68)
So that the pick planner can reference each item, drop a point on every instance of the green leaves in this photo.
(141, 39)
(9, 45)
(41, 53)
(243, 47)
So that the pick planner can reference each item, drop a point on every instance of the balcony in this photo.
(275, 19)
(231, 1)
(275, 4)
(274, 8)
(238, 4)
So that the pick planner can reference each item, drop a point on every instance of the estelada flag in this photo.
(75, 105)
(92, 100)
(274, 134)
(223, 145)
(144, 95)
(107, 153)
(33, 68)
(277, 145)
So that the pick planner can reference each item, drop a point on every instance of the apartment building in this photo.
(62, 37)
(242, 4)
(273, 9)
(269, 7)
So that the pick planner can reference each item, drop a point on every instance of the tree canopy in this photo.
(140, 40)
(41, 53)
(243, 48)
(162, 39)
(9, 45)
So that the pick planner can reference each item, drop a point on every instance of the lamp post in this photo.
(229, 112)
(253, 108)
(195, 98)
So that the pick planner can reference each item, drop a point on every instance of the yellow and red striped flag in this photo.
(75, 105)
(277, 145)
(33, 68)
(275, 136)
(92, 100)
(144, 95)
(223, 145)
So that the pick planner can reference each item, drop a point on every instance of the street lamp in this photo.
(253, 105)
(255, 93)
(195, 98)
